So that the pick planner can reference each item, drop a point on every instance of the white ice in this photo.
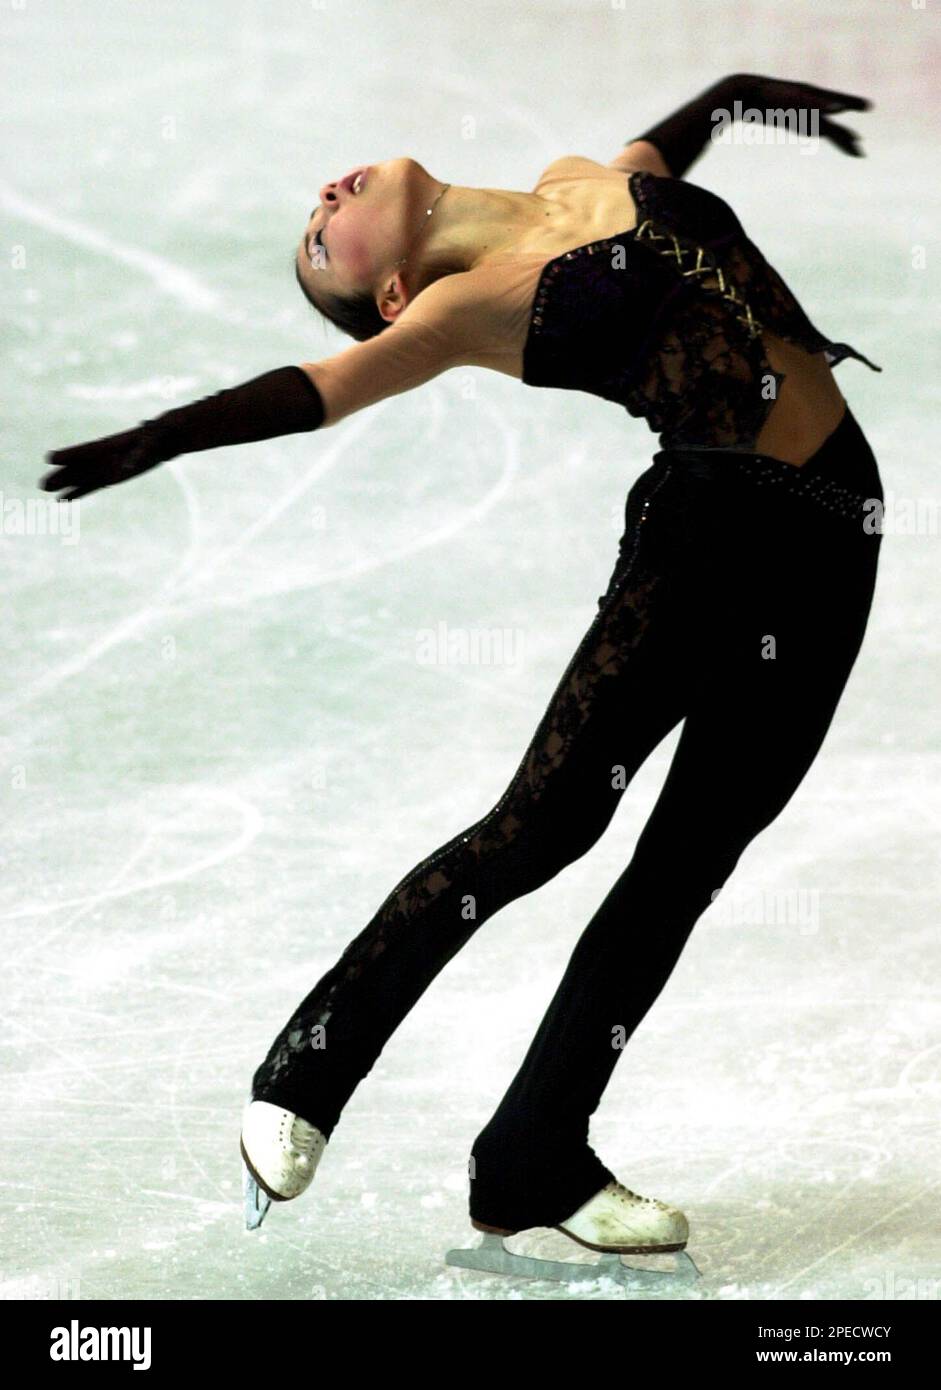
(219, 747)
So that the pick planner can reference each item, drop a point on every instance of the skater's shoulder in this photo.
(447, 325)
(477, 317)
(459, 307)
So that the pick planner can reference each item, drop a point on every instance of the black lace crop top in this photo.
(666, 320)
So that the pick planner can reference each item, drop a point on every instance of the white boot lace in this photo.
(631, 1198)
(303, 1140)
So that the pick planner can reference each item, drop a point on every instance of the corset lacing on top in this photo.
(763, 471)
(666, 319)
(672, 331)
(705, 264)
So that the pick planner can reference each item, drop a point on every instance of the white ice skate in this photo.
(615, 1222)
(280, 1153)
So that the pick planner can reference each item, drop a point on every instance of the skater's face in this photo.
(359, 230)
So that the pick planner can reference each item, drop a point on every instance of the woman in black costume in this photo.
(737, 604)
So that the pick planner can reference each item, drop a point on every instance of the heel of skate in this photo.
(491, 1230)
(614, 1223)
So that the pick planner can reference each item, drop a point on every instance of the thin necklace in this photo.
(428, 212)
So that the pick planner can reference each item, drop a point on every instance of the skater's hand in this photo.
(774, 93)
(283, 401)
(85, 468)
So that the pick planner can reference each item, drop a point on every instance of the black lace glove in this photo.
(681, 137)
(284, 401)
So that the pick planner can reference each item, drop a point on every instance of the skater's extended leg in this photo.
(759, 716)
(622, 692)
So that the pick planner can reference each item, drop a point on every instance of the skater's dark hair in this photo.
(354, 314)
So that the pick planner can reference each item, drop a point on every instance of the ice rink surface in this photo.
(221, 748)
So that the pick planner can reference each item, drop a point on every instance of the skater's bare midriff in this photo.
(585, 201)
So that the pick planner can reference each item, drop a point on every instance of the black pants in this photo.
(738, 605)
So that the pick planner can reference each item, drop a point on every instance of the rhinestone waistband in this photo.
(726, 466)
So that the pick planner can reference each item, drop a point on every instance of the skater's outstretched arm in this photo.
(433, 333)
(682, 136)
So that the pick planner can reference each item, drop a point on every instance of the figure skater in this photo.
(737, 604)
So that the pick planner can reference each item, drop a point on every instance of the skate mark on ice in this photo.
(87, 904)
(858, 1235)
(906, 1088)
(445, 532)
(78, 1065)
(252, 822)
(333, 455)
(230, 1202)
(166, 276)
(127, 626)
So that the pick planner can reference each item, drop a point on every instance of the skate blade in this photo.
(256, 1201)
(492, 1256)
